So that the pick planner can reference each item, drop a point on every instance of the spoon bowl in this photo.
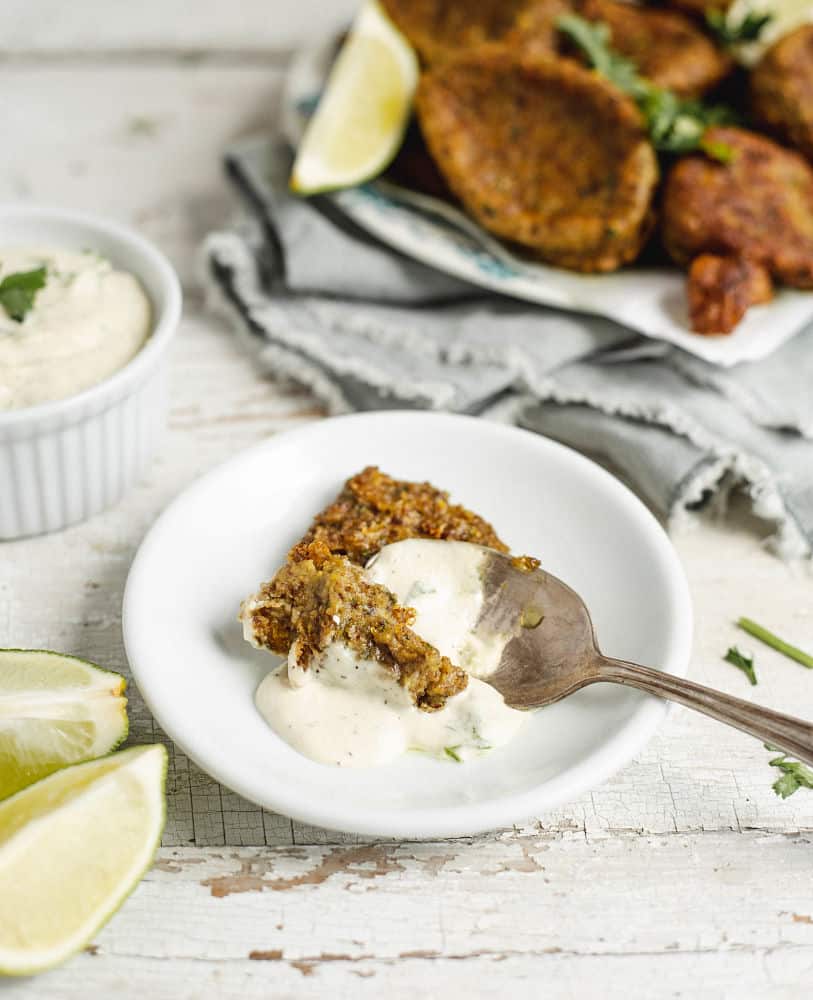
(552, 652)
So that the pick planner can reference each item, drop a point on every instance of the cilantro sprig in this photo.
(18, 291)
(747, 30)
(675, 125)
(795, 775)
(742, 662)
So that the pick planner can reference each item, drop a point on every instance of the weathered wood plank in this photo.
(169, 26)
(526, 916)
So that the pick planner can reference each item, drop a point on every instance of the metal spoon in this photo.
(553, 652)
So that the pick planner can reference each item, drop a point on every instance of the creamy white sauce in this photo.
(351, 712)
(442, 582)
(86, 323)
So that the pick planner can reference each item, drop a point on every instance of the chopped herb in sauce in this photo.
(18, 291)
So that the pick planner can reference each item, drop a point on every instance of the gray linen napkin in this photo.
(365, 328)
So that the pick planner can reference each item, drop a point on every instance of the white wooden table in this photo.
(682, 876)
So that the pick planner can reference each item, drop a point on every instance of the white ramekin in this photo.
(61, 462)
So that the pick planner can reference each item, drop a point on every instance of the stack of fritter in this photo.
(553, 158)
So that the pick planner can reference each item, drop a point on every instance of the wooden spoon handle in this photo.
(794, 736)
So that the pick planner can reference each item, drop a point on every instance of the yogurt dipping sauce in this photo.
(348, 711)
(85, 324)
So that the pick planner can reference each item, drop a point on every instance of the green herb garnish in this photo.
(717, 150)
(452, 752)
(775, 642)
(795, 775)
(743, 662)
(675, 125)
(748, 30)
(18, 291)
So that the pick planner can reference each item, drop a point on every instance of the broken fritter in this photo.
(543, 153)
(782, 89)
(667, 47)
(438, 29)
(757, 206)
(722, 288)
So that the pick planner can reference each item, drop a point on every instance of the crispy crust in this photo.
(324, 598)
(782, 89)
(320, 595)
(667, 47)
(720, 290)
(544, 153)
(759, 206)
(374, 510)
(439, 29)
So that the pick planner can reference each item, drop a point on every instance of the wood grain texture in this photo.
(683, 875)
(522, 915)
(171, 27)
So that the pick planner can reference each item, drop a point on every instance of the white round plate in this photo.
(231, 529)
(649, 300)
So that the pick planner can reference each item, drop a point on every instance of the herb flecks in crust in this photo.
(320, 595)
(323, 598)
(374, 510)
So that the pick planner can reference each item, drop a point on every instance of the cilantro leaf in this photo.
(748, 30)
(452, 752)
(675, 125)
(743, 662)
(18, 291)
(795, 775)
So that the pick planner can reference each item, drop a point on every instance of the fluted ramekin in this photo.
(63, 461)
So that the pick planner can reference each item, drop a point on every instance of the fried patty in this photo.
(535, 31)
(721, 289)
(758, 207)
(667, 47)
(782, 89)
(438, 29)
(543, 153)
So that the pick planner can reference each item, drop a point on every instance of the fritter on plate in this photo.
(438, 29)
(543, 153)
(667, 47)
(782, 89)
(758, 206)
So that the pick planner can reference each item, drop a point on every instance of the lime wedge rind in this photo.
(140, 766)
(55, 710)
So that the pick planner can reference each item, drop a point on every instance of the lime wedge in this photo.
(54, 710)
(360, 121)
(72, 847)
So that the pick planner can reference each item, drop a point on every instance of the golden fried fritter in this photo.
(738, 224)
(667, 47)
(721, 289)
(782, 89)
(535, 31)
(542, 152)
(758, 207)
(438, 29)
